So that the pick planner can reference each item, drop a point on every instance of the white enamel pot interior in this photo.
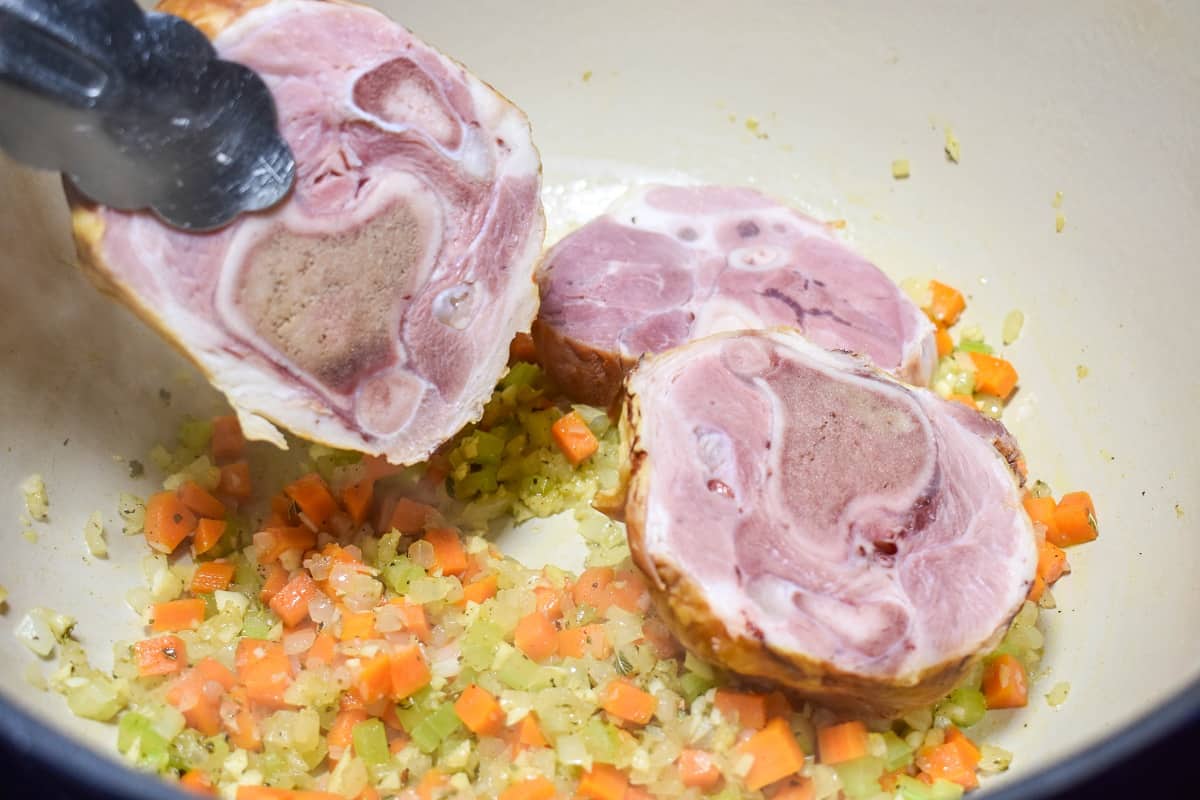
(810, 102)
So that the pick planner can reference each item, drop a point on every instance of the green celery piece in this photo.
(245, 574)
(481, 481)
(899, 753)
(860, 777)
(370, 742)
(400, 573)
(195, 434)
(971, 706)
(521, 373)
(693, 685)
(435, 727)
(602, 741)
(943, 789)
(488, 447)
(133, 728)
(519, 672)
(257, 623)
(479, 644)
(913, 789)
(972, 346)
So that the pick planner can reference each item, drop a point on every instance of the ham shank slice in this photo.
(668, 264)
(807, 520)
(373, 309)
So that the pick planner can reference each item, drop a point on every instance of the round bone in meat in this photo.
(805, 519)
(373, 309)
(668, 264)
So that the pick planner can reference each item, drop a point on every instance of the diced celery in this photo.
(244, 574)
(912, 789)
(435, 727)
(899, 752)
(483, 447)
(943, 789)
(370, 742)
(257, 623)
(519, 672)
(860, 777)
(400, 573)
(479, 644)
(964, 706)
(602, 741)
(100, 698)
(698, 666)
(973, 346)
(481, 481)
(692, 685)
(385, 551)
(521, 373)
(195, 434)
(136, 737)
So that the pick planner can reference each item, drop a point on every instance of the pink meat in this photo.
(373, 310)
(830, 514)
(669, 264)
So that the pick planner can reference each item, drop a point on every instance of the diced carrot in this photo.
(431, 782)
(1004, 683)
(178, 615)
(409, 516)
(227, 439)
(448, 551)
(161, 655)
(698, 768)
(778, 705)
(549, 602)
(358, 626)
(271, 793)
(1037, 590)
(190, 694)
(357, 499)
(971, 752)
(479, 591)
(522, 348)
(212, 670)
(243, 729)
(776, 753)
(947, 304)
(479, 711)
(638, 793)
(587, 640)
(212, 576)
(603, 782)
(282, 540)
(409, 673)
(369, 793)
(527, 733)
(414, 619)
(1075, 520)
(993, 375)
(954, 760)
(313, 497)
(265, 670)
(799, 789)
(966, 399)
(1052, 562)
(536, 788)
(574, 438)
(837, 744)
(748, 708)
(168, 521)
(341, 732)
(197, 782)
(623, 699)
(322, 651)
(276, 579)
(290, 603)
(628, 591)
(201, 501)
(373, 681)
(536, 636)
(592, 588)
(285, 508)
(945, 343)
(235, 480)
(1041, 510)
(208, 533)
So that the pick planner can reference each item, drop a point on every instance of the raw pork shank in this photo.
(805, 519)
(373, 309)
(669, 264)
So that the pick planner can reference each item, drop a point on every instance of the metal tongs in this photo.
(138, 111)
